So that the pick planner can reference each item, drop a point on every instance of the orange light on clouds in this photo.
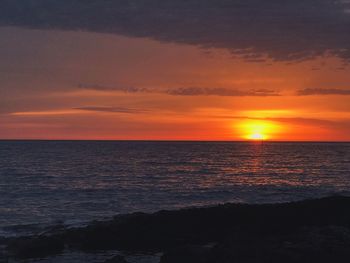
(259, 130)
(232, 98)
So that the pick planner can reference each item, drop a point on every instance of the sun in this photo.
(257, 136)
(258, 130)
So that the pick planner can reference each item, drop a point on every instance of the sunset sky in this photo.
(175, 70)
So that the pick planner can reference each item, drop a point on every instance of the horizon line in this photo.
(171, 140)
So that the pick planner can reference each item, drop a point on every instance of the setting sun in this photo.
(258, 129)
(257, 136)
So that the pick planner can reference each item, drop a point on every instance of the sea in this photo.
(71, 183)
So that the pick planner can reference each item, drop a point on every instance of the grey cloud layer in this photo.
(203, 91)
(117, 88)
(186, 91)
(286, 30)
(110, 109)
(315, 91)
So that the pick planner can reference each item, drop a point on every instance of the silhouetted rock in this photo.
(309, 245)
(187, 254)
(168, 229)
(34, 247)
(3, 258)
(116, 259)
(304, 231)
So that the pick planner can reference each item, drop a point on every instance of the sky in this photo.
(175, 70)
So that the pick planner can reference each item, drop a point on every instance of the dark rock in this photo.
(168, 229)
(270, 232)
(3, 258)
(187, 254)
(116, 259)
(35, 247)
(308, 245)
(321, 244)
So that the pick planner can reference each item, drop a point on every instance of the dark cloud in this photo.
(316, 91)
(117, 88)
(197, 91)
(186, 91)
(111, 109)
(288, 30)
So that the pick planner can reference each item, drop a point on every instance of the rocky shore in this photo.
(306, 231)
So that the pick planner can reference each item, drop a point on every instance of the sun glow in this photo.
(257, 136)
(259, 130)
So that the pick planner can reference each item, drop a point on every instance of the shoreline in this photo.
(209, 233)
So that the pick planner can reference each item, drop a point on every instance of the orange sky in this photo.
(79, 85)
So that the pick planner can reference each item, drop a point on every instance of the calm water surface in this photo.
(43, 183)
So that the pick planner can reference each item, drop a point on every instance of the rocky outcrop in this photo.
(168, 229)
(311, 245)
(116, 259)
(35, 247)
(294, 232)
(187, 254)
(3, 258)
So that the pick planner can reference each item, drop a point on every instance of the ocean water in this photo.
(44, 183)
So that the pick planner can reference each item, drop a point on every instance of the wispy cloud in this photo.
(317, 91)
(78, 110)
(186, 91)
(45, 112)
(288, 30)
(197, 91)
(111, 109)
(121, 88)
